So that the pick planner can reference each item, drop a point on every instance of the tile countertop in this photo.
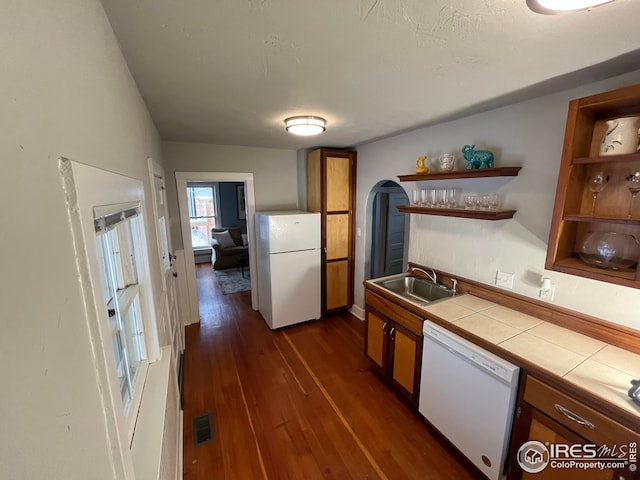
(603, 369)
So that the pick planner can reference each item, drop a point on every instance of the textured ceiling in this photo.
(229, 71)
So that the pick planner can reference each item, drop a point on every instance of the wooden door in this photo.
(547, 431)
(338, 231)
(338, 185)
(404, 359)
(337, 284)
(330, 191)
(375, 335)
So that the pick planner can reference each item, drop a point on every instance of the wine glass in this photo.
(597, 182)
(469, 201)
(452, 197)
(494, 201)
(633, 184)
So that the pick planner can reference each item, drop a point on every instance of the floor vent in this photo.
(202, 429)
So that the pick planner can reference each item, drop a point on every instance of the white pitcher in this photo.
(621, 136)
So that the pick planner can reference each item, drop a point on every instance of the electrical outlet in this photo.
(547, 293)
(504, 280)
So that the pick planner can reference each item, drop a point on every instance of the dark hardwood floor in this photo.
(296, 403)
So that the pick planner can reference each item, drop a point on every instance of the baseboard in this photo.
(357, 311)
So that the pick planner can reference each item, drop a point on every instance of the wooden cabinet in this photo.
(393, 342)
(574, 215)
(551, 417)
(331, 176)
(506, 171)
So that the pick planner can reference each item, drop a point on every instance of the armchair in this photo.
(227, 248)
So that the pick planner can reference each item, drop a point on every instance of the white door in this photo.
(295, 287)
(292, 232)
(173, 330)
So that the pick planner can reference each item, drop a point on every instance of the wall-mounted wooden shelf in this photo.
(575, 266)
(507, 171)
(585, 218)
(630, 157)
(572, 218)
(458, 212)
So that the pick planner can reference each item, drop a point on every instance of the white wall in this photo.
(529, 134)
(275, 172)
(66, 91)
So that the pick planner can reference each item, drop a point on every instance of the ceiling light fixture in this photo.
(550, 7)
(305, 125)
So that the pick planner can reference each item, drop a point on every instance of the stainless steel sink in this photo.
(416, 289)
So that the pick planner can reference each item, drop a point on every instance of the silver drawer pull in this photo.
(576, 418)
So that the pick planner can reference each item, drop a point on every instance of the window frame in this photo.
(123, 298)
(216, 211)
(85, 187)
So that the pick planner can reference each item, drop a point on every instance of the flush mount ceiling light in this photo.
(563, 6)
(305, 125)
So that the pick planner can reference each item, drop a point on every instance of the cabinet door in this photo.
(375, 333)
(337, 236)
(338, 185)
(544, 429)
(337, 284)
(405, 352)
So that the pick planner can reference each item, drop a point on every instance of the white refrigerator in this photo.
(288, 247)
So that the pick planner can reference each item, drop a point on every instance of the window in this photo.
(118, 240)
(114, 267)
(203, 213)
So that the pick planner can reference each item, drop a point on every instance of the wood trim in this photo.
(573, 266)
(352, 226)
(589, 219)
(613, 99)
(314, 182)
(505, 171)
(628, 157)
(400, 315)
(609, 332)
(460, 213)
(561, 186)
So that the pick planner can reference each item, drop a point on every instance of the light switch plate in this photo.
(504, 280)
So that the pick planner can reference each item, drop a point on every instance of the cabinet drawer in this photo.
(411, 322)
(577, 417)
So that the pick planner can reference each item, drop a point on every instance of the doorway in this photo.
(182, 180)
(389, 230)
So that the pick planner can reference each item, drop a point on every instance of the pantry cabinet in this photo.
(583, 211)
(393, 342)
(331, 177)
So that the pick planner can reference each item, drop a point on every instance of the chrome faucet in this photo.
(432, 276)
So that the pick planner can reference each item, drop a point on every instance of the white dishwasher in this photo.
(468, 394)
